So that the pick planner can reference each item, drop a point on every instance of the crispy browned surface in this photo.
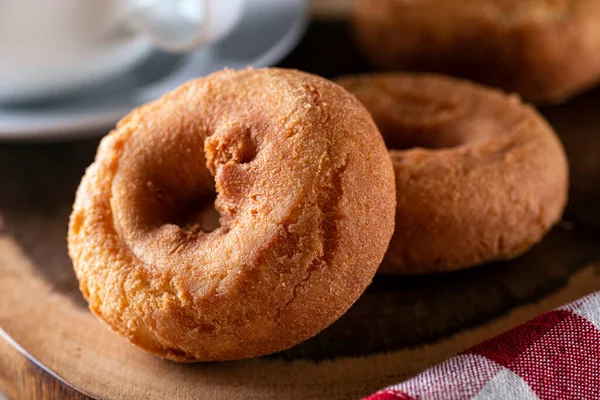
(479, 175)
(306, 197)
(546, 50)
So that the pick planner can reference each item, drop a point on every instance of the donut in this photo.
(480, 176)
(545, 50)
(305, 191)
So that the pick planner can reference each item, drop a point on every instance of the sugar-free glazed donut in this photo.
(305, 191)
(546, 50)
(479, 176)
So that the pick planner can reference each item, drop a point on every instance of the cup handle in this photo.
(173, 25)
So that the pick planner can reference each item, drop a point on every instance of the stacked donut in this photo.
(309, 199)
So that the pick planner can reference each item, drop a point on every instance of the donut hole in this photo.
(406, 138)
(170, 186)
(199, 215)
(168, 205)
(175, 186)
(409, 117)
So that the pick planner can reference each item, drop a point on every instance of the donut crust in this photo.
(305, 190)
(480, 176)
(545, 50)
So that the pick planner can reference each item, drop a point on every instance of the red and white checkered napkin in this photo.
(554, 356)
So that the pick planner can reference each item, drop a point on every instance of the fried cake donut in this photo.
(305, 192)
(546, 50)
(479, 175)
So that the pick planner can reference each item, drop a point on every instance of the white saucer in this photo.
(268, 31)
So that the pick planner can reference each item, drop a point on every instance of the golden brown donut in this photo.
(479, 175)
(546, 50)
(306, 196)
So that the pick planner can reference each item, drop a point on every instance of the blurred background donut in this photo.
(544, 50)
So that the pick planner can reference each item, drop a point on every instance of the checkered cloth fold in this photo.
(554, 356)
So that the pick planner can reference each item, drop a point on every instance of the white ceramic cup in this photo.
(50, 47)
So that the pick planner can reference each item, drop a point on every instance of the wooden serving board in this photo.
(52, 346)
